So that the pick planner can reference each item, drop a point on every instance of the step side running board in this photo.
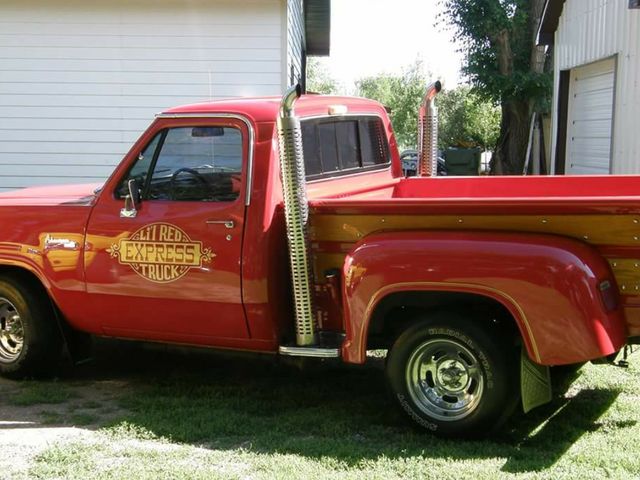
(314, 352)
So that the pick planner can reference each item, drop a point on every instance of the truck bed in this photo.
(603, 211)
(579, 194)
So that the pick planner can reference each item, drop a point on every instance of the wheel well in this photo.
(77, 343)
(25, 278)
(30, 281)
(396, 312)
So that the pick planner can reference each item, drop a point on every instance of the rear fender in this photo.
(549, 284)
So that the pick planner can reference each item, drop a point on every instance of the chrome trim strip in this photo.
(309, 352)
(252, 137)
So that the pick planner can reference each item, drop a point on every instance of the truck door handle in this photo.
(226, 223)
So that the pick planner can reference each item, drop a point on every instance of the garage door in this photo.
(79, 80)
(590, 119)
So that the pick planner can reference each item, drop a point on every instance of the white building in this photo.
(596, 98)
(80, 80)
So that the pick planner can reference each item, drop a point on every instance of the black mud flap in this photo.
(78, 344)
(535, 383)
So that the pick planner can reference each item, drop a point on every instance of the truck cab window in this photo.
(339, 146)
(193, 164)
(310, 145)
(373, 141)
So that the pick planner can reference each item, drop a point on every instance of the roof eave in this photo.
(549, 22)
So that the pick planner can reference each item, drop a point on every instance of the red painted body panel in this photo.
(548, 283)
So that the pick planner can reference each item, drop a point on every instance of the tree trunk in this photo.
(510, 152)
(508, 158)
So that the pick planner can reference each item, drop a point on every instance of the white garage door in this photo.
(590, 118)
(79, 80)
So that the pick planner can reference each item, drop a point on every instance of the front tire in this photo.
(453, 377)
(30, 341)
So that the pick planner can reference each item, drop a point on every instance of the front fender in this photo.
(550, 285)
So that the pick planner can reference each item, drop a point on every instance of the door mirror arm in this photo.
(132, 200)
(134, 192)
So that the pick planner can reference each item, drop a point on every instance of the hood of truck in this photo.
(83, 194)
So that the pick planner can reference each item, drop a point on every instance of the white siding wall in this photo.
(295, 39)
(592, 30)
(80, 80)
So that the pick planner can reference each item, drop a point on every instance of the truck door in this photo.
(170, 269)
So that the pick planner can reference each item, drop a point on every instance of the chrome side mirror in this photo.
(131, 200)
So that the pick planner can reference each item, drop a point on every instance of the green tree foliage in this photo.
(505, 66)
(319, 80)
(465, 116)
(402, 94)
(467, 119)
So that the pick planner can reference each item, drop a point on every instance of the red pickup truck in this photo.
(248, 225)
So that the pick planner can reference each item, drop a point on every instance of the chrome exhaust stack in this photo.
(296, 212)
(428, 132)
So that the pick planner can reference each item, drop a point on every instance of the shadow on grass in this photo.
(229, 402)
(545, 435)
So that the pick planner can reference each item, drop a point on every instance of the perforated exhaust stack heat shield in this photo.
(428, 132)
(296, 213)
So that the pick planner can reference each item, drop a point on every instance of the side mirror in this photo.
(131, 200)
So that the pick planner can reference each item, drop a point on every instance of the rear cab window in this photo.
(336, 146)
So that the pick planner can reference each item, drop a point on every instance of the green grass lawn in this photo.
(201, 416)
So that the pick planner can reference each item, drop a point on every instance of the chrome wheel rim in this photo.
(445, 379)
(11, 332)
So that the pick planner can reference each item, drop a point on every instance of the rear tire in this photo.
(453, 377)
(30, 340)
